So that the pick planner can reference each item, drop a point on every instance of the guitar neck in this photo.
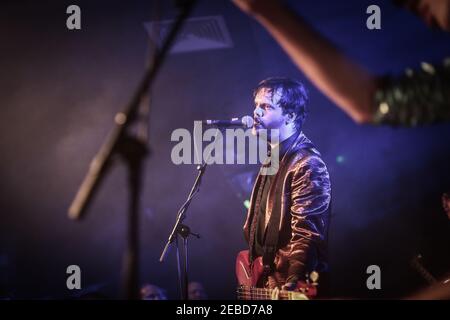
(423, 272)
(252, 293)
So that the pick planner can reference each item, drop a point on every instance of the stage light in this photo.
(340, 159)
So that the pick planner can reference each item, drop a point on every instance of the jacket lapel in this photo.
(276, 188)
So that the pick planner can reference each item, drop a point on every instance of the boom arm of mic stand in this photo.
(100, 162)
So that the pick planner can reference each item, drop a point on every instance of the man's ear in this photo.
(292, 117)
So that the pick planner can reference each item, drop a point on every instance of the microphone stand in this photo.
(184, 231)
(133, 150)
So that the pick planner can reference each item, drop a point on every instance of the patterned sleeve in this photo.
(416, 98)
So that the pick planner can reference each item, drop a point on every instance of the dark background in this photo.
(60, 90)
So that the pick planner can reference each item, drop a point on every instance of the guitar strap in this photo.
(273, 227)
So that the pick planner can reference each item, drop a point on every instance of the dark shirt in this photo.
(265, 185)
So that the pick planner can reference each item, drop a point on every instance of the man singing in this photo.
(287, 219)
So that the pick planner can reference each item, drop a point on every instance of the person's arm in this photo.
(345, 82)
(418, 97)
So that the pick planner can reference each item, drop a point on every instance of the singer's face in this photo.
(268, 114)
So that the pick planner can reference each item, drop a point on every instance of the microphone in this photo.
(244, 122)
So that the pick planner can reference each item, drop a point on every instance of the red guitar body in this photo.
(250, 279)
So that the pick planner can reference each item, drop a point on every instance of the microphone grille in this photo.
(247, 121)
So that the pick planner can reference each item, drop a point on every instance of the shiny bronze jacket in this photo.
(301, 193)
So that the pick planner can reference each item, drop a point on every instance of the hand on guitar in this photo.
(289, 286)
(250, 288)
(272, 283)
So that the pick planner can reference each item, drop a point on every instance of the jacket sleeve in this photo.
(310, 200)
(418, 97)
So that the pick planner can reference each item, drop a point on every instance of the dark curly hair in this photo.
(294, 98)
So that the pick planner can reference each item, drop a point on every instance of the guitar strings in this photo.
(260, 293)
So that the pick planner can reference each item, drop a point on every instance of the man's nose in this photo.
(258, 112)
